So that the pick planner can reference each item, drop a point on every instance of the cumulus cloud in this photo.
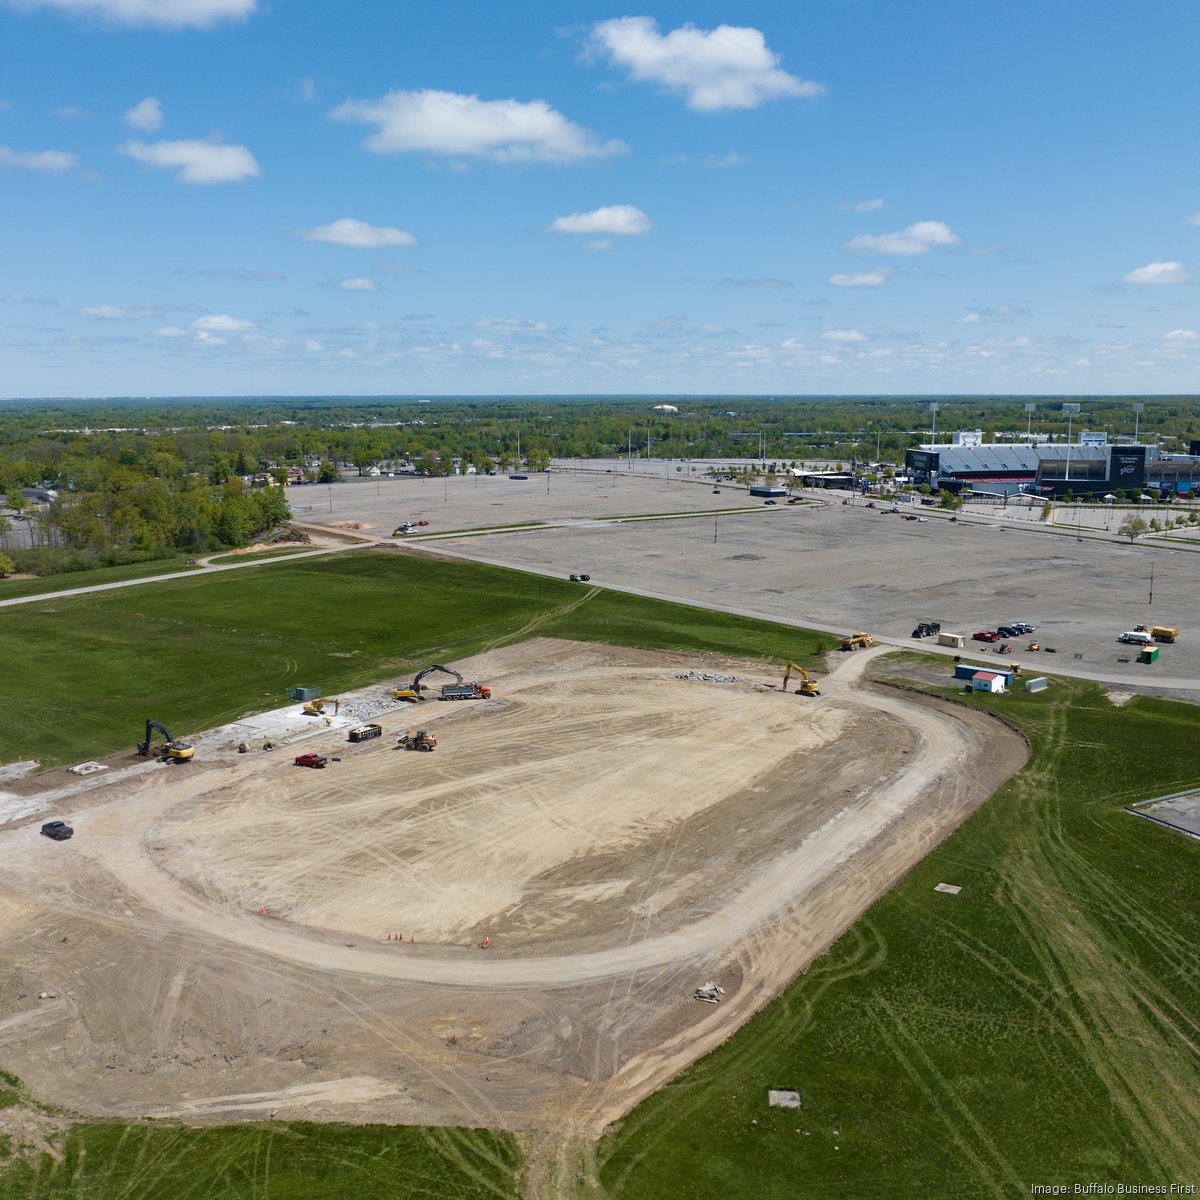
(54, 161)
(436, 122)
(613, 220)
(146, 115)
(1158, 272)
(729, 67)
(874, 278)
(161, 14)
(223, 323)
(360, 284)
(1181, 335)
(918, 238)
(845, 336)
(360, 235)
(197, 162)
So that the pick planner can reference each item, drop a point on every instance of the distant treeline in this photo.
(142, 478)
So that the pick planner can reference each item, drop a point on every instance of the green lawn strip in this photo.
(1039, 1027)
(278, 1161)
(677, 516)
(213, 648)
(66, 580)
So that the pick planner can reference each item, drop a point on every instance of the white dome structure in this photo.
(665, 408)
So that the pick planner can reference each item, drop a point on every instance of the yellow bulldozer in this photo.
(808, 685)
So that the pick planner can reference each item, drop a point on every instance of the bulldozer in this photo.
(316, 708)
(858, 641)
(420, 740)
(808, 685)
(172, 751)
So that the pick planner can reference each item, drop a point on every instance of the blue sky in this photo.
(301, 197)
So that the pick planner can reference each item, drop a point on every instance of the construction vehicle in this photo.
(460, 689)
(365, 733)
(858, 641)
(1164, 633)
(315, 708)
(421, 740)
(310, 760)
(926, 629)
(808, 685)
(57, 831)
(172, 750)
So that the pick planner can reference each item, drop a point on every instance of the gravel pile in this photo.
(709, 677)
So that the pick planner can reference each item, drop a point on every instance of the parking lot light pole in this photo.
(1137, 416)
(1030, 409)
(933, 412)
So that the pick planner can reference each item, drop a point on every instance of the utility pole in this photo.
(1152, 582)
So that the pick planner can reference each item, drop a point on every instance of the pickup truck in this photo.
(58, 830)
(310, 760)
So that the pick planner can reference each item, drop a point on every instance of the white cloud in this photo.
(971, 318)
(361, 284)
(198, 162)
(863, 206)
(511, 325)
(38, 160)
(71, 112)
(110, 312)
(599, 244)
(709, 161)
(436, 122)
(614, 220)
(915, 239)
(1194, 219)
(171, 331)
(146, 115)
(846, 336)
(163, 14)
(724, 68)
(1159, 272)
(874, 278)
(311, 344)
(1181, 335)
(349, 232)
(223, 323)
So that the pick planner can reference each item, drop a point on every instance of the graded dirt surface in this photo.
(213, 943)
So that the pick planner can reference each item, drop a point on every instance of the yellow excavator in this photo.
(314, 708)
(808, 685)
(172, 751)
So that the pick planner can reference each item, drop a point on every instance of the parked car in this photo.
(58, 830)
(310, 760)
(1009, 631)
(768, 501)
(986, 635)
(1023, 627)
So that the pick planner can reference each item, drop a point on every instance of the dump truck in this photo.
(858, 641)
(364, 733)
(1164, 633)
(460, 689)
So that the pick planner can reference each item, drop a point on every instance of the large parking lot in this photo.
(832, 564)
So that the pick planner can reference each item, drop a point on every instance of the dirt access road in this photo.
(214, 941)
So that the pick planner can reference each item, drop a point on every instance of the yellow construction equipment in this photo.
(421, 740)
(315, 708)
(172, 750)
(808, 685)
(858, 641)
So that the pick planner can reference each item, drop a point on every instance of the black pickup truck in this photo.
(58, 830)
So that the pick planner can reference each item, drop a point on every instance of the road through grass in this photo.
(1040, 1027)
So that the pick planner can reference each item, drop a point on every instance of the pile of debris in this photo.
(710, 993)
(365, 709)
(709, 677)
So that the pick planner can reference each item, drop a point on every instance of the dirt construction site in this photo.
(506, 932)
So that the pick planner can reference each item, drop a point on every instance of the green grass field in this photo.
(1041, 1027)
(269, 1162)
(12, 588)
(206, 650)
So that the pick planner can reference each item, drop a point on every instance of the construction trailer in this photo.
(957, 640)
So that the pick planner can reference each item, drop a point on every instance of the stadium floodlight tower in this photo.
(1030, 409)
(1138, 409)
(1070, 411)
(933, 412)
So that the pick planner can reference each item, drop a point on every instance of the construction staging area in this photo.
(508, 932)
